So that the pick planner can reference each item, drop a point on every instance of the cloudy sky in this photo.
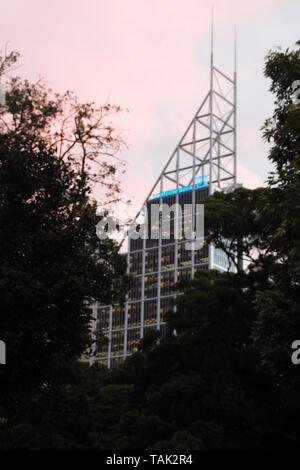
(152, 57)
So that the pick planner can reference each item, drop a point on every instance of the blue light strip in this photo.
(201, 182)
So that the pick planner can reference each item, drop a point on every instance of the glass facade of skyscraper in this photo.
(156, 264)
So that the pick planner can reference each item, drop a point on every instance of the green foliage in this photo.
(52, 265)
(222, 378)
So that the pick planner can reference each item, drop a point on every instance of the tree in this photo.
(225, 380)
(268, 223)
(52, 265)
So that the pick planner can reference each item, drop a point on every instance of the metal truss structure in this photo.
(208, 146)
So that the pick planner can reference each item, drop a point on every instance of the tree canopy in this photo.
(226, 379)
(52, 265)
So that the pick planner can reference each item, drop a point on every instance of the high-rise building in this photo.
(203, 162)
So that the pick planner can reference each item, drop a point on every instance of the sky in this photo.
(152, 57)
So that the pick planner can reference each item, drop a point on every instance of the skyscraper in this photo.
(203, 162)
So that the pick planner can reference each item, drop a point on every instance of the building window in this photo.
(151, 262)
(184, 275)
(136, 263)
(201, 256)
(167, 283)
(150, 312)
(136, 289)
(151, 286)
(135, 245)
(167, 257)
(117, 343)
(133, 339)
(184, 255)
(118, 317)
(134, 314)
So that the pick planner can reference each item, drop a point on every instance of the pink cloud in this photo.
(149, 56)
